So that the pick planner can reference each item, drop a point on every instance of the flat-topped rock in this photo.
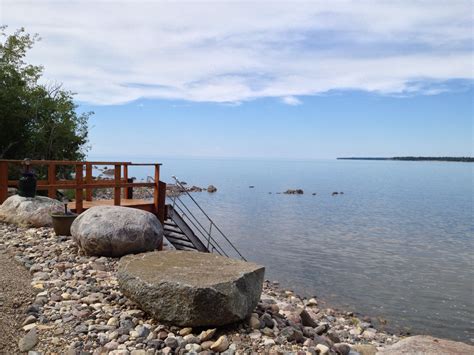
(427, 345)
(116, 231)
(191, 288)
(29, 211)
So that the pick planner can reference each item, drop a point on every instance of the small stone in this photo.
(312, 302)
(81, 328)
(142, 331)
(269, 342)
(171, 342)
(113, 335)
(29, 341)
(254, 322)
(162, 335)
(307, 320)
(255, 335)
(207, 335)
(323, 349)
(196, 348)
(206, 345)
(113, 322)
(267, 320)
(342, 349)
(185, 331)
(191, 339)
(113, 345)
(30, 319)
(292, 334)
(29, 327)
(321, 329)
(220, 345)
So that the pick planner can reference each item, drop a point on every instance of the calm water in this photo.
(398, 244)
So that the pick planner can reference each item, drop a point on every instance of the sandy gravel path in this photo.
(15, 295)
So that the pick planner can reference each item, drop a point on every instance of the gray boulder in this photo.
(423, 344)
(29, 211)
(116, 231)
(191, 289)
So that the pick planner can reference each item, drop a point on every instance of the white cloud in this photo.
(291, 100)
(112, 52)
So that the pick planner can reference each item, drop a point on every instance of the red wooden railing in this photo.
(119, 183)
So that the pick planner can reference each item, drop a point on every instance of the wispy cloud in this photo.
(113, 52)
(291, 100)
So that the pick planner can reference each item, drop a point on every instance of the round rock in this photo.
(116, 231)
(29, 211)
(191, 289)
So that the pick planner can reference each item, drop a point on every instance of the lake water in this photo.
(398, 244)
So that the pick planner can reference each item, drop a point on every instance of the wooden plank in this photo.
(88, 181)
(117, 182)
(51, 180)
(3, 181)
(94, 185)
(79, 192)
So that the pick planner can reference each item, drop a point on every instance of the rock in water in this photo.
(211, 188)
(29, 211)
(116, 231)
(422, 344)
(191, 288)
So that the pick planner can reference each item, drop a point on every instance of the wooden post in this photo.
(161, 201)
(88, 181)
(51, 180)
(156, 190)
(117, 181)
(125, 177)
(79, 192)
(3, 181)
(161, 206)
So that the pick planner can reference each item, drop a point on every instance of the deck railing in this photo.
(87, 182)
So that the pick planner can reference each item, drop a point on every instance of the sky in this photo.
(293, 80)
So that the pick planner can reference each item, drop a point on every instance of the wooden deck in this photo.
(85, 181)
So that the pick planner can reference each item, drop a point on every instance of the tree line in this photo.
(37, 121)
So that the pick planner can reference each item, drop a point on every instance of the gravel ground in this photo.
(15, 296)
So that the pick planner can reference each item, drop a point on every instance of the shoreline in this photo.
(72, 311)
(78, 307)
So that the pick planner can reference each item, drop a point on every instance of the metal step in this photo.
(180, 232)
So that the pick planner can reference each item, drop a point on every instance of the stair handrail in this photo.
(212, 224)
(205, 235)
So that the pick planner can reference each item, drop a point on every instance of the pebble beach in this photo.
(75, 306)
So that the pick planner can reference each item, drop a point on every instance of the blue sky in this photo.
(299, 79)
(324, 126)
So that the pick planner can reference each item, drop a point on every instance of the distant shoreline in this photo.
(449, 159)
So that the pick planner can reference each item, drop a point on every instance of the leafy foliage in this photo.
(36, 120)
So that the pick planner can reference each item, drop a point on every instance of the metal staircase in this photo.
(188, 227)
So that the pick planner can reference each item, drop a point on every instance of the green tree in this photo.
(36, 120)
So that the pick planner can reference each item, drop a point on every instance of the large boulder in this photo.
(29, 211)
(423, 344)
(192, 289)
(116, 231)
